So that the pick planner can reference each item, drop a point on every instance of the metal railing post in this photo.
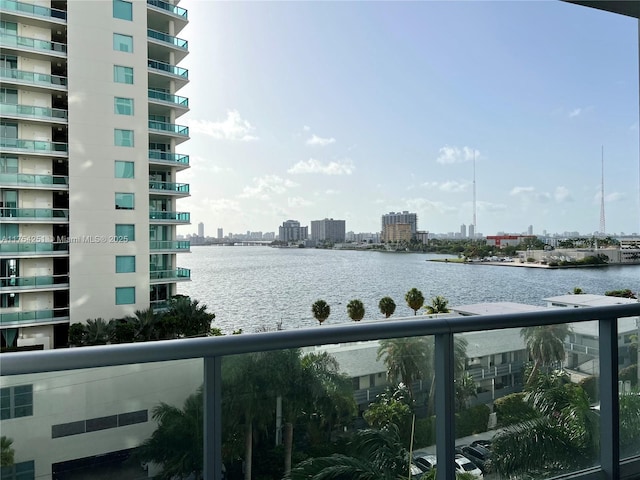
(212, 418)
(445, 401)
(609, 399)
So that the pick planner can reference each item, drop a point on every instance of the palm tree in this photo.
(145, 325)
(355, 310)
(176, 445)
(438, 305)
(414, 299)
(320, 310)
(387, 306)
(545, 344)
(98, 332)
(6, 452)
(191, 318)
(407, 359)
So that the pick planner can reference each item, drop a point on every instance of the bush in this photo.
(425, 433)
(472, 420)
(590, 385)
(512, 409)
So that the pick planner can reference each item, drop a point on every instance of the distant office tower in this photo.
(291, 231)
(401, 217)
(472, 231)
(463, 231)
(530, 230)
(90, 137)
(328, 230)
(220, 234)
(201, 229)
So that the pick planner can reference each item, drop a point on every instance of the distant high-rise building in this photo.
(401, 217)
(328, 230)
(530, 230)
(220, 234)
(201, 229)
(463, 231)
(291, 231)
(397, 232)
(472, 231)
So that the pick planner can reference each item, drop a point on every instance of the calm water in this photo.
(257, 287)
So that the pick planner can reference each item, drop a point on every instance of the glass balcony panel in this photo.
(169, 157)
(166, 67)
(35, 213)
(31, 9)
(33, 179)
(181, 12)
(169, 245)
(169, 187)
(163, 37)
(33, 78)
(629, 386)
(39, 146)
(169, 127)
(33, 112)
(15, 246)
(40, 281)
(82, 414)
(184, 273)
(167, 97)
(8, 40)
(175, 216)
(34, 316)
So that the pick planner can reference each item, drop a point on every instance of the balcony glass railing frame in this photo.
(169, 157)
(165, 97)
(159, 186)
(31, 9)
(170, 128)
(34, 179)
(41, 248)
(213, 349)
(35, 44)
(39, 281)
(34, 78)
(168, 68)
(182, 217)
(169, 39)
(33, 112)
(169, 245)
(173, 9)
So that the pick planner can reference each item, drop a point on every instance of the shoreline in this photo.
(533, 265)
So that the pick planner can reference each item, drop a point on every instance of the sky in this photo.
(350, 110)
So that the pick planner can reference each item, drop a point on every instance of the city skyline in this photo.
(349, 110)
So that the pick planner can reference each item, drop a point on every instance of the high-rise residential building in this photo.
(530, 230)
(220, 234)
(472, 231)
(89, 162)
(397, 232)
(463, 231)
(291, 231)
(401, 217)
(201, 229)
(328, 230)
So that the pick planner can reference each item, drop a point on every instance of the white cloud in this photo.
(610, 197)
(450, 186)
(306, 128)
(575, 112)
(298, 202)
(319, 141)
(448, 155)
(264, 187)
(429, 206)
(521, 190)
(234, 128)
(530, 194)
(316, 166)
(491, 207)
(562, 194)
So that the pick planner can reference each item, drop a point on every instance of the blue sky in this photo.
(307, 110)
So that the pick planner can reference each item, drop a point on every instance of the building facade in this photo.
(89, 163)
(397, 232)
(401, 217)
(291, 231)
(328, 230)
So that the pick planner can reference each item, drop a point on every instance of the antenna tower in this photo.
(474, 189)
(602, 222)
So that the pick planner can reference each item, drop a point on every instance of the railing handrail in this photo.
(20, 363)
(62, 46)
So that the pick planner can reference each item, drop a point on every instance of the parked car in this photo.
(426, 462)
(485, 443)
(478, 455)
(463, 464)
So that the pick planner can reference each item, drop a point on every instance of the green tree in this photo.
(98, 332)
(387, 306)
(176, 444)
(438, 305)
(545, 344)
(465, 388)
(414, 299)
(191, 318)
(77, 334)
(321, 311)
(6, 452)
(407, 359)
(355, 310)
(625, 293)
(145, 324)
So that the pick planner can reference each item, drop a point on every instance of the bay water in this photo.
(258, 287)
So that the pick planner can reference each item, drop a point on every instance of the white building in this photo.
(89, 160)
(328, 230)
